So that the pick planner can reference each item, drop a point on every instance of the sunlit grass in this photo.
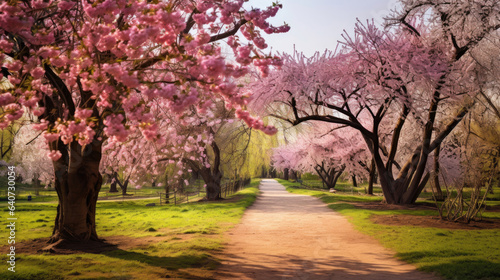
(454, 254)
(190, 234)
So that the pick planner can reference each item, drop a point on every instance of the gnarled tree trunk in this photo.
(329, 176)
(77, 182)
(212, 180)
(213, 176)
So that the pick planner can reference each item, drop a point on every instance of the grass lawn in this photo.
(160, 242)
(452, 253)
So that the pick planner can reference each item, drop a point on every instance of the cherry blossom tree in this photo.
(382, 78)
(327, 151)
(92, 71)
(198, 153)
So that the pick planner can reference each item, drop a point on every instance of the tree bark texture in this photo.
(77, 182)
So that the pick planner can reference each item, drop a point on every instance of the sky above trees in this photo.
(317, 25)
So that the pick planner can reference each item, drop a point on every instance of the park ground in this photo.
(189, 240)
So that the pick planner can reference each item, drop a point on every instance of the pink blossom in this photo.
(83, 113)
(37, 73)
(106, 43)
(6, 98)
(6, 46)
(38, 111)
(214, 65)
(65, 5)
(54, 155)
(40, 126)
(50, 137)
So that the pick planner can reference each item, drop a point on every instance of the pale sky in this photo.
(317, 25)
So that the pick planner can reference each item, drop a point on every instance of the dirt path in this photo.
(289, 236)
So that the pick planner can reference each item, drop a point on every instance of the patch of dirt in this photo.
(432, 221)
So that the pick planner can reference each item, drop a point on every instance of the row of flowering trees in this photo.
(95, 72)
(404, 88)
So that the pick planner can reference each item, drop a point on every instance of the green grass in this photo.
(189, 235)
(50, 195)
(327, 197)
(454, 254)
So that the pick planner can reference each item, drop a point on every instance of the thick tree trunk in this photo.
(213, 184)
(285, 174)
(77, 182)
(213, 176)
(354, 182)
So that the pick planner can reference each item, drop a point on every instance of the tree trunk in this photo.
(354, 182)
(77, 182)
(212, 176)
(371, 177)
(124, 187)
(36, 182)
(285, 174)
(112, 185)
(213, 184)
(435, 178)
(330, 176)
(167, 191)
(335, 176)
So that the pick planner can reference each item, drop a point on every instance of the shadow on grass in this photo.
(413, 257)
(169, 263)
(466, 269)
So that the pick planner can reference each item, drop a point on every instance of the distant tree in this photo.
(328, 154)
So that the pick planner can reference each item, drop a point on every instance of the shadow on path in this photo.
(290, 236)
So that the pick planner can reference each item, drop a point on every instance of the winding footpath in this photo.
(290, 236)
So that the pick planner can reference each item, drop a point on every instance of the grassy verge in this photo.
(183, 240)
(454, 254)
